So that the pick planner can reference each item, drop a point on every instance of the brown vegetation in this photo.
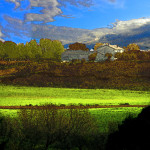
(78, 46)
(117, 74)
(62, 106)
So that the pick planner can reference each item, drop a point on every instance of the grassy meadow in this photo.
(18, 95)
(106, 119)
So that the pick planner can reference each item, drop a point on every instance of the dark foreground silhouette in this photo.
(133, 134)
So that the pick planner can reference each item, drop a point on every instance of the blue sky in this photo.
(70, 20)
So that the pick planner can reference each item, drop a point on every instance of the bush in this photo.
(5, 131)
(50, 128)
(133, 134)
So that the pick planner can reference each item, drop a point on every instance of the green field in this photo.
(106, 117)
(16, 96)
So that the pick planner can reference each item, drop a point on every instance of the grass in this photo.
(108, 118)
(18, 95)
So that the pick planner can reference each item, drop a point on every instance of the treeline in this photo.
(116, 74)
(46, 49)
(133, 55)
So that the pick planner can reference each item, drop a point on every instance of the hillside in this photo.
(116, 74)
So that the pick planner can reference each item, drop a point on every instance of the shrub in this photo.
(52, 128)
(134, 133)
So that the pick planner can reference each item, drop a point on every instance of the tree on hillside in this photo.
(58, 49)
(97, 45)
(78, 46)
(92, 57)
(21, 50)
(1, 50)
(32, 50)
(51, 49)
(132, 46)
(10, 50)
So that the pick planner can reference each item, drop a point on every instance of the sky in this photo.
(71, 20)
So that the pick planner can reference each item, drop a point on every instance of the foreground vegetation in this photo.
(46, 129)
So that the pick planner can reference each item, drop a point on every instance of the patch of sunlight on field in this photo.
(17, 95)
(8, 112)
(108, 117)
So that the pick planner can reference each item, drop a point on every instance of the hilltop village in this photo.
(101, 53)
(49, 64)
(53, 50)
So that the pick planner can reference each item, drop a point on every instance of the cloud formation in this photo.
(17, 2)
(77, 3)
(123, 32)
(17, 28)
(1, 34)
(64, 34)
(130, 26)
(50, 9)
(39, 11)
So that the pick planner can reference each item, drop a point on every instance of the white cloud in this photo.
(1, 34)
(130, 26)
(50, 9)
(69, 35)
(17, 2)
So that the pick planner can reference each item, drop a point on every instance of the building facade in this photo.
(70, 55)
(106, 48)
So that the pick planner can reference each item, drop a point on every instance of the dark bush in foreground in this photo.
(45, 129)
(5, 132)
(133, 134)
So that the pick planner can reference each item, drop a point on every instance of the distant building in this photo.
(70, 55)
(107, 48)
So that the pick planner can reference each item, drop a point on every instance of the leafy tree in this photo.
(58, 49)
(133, 46)
(92, 57)
(21, 51)
(51, 49)
(78, 46)
(2, 53)
(5, 131)
(50, 128)
(97, 45)
(32, 49)
(10, 50)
